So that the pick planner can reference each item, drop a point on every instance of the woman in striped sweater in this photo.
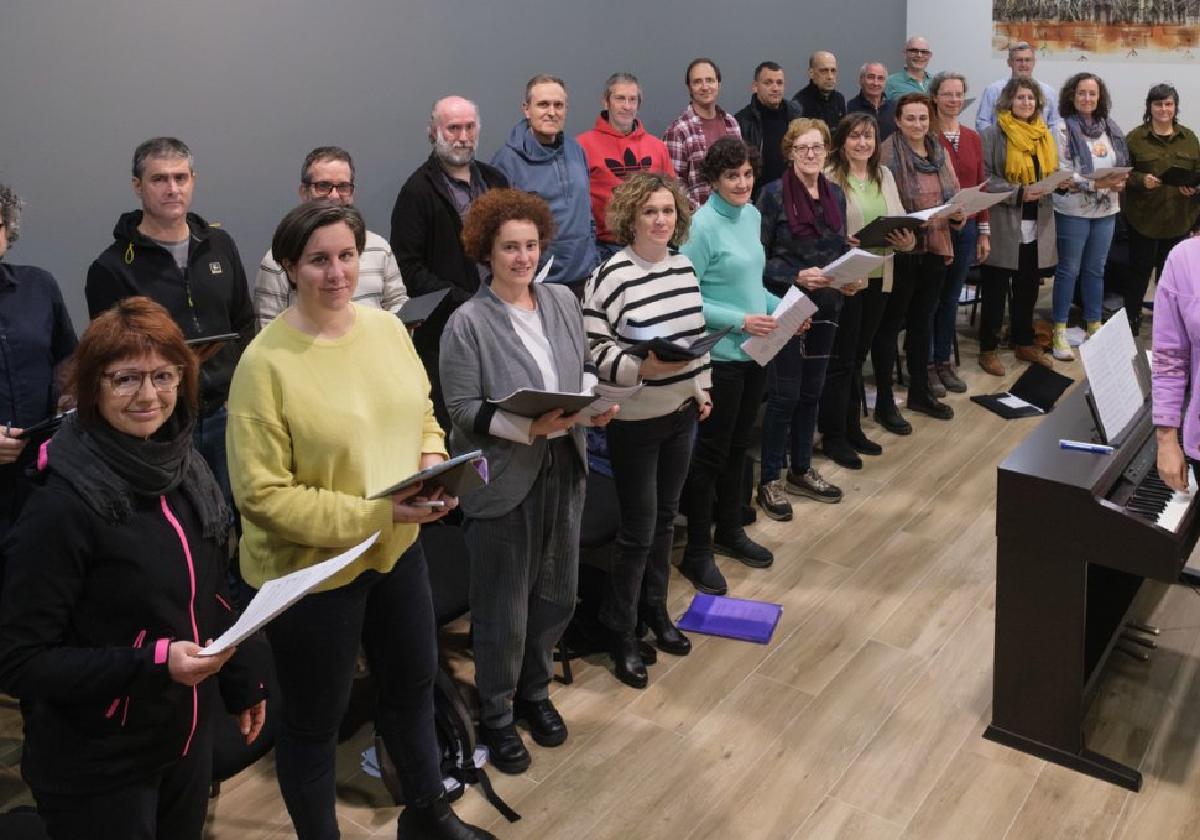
(647, 290)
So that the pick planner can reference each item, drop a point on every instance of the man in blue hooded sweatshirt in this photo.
(539, 158)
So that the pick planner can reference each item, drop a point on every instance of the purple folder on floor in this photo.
(734, 618)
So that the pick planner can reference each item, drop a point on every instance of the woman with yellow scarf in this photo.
(1018, 151)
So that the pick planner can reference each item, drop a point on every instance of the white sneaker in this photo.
(1060, 347)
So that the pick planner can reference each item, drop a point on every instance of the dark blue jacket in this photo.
(559, 174)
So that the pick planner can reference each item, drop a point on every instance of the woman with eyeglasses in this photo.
(803, 229)
(971, 242)
(37, 339)
(114, 579)
(924, 178)
(1157, 215)
(870, 193)
(328, 406)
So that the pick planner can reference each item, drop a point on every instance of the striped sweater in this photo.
(628, 300)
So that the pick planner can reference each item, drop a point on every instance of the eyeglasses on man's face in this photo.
(324, 188)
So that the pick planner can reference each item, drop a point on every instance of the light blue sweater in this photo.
(725, 247)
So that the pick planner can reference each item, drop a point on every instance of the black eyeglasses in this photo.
(324, 188)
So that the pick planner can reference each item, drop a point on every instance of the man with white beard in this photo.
(427, 224)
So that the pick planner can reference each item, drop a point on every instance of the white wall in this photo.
(961, 37)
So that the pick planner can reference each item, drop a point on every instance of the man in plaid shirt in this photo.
(701, 124)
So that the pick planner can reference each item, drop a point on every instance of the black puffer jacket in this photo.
(212, 298)
(88, 611)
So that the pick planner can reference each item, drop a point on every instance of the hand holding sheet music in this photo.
(279, 594)
(792, 312)
(852, 266)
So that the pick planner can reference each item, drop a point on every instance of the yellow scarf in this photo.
(1026, 141)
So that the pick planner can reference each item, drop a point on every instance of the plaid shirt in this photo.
(379, 282)
(686, 146)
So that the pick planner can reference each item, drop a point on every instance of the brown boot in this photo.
(989, 360)
(1033, 353)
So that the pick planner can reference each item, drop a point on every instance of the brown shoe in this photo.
(1033, 353)
(989, 360)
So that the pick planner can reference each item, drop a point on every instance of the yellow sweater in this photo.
(316, 426)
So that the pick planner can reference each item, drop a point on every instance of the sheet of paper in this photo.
(545, 272)
(1105, 171)
(974, 200)
(1016, 402)
(279, 594)
(926, 215)
(1051, 181)
(1109, 360)
(609, 395)
(793, 310)
(852, 265)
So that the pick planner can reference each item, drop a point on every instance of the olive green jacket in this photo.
(1162, 213)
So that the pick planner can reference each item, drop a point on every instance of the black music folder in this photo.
(418, 309)
(669, 351)
(532, 402)
(1181, 176)
(1033, 394)
(875, 235)
(456, 476)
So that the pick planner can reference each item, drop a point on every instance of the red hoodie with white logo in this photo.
(612, 157)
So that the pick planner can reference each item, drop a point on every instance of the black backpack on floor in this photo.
(456, 738)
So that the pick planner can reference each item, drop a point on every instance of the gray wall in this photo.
(252, 85)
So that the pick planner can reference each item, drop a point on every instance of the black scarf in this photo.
(109, 468)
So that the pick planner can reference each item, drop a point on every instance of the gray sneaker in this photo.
(813, 486)
(774, 501)
(935, 383)
(950, 378)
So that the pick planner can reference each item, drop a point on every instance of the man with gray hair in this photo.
(616, 147)
(328, 172)
(914, 78)
(540, 158)
(872, 78)
(174, 257)
(427, 225)
(1021, 59)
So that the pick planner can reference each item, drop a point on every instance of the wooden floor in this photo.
(861, 720)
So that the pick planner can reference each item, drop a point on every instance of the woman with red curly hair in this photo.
(115, 576)
(522, 530)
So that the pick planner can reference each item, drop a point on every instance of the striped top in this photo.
(628, 300)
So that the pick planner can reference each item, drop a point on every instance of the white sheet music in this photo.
(279, 594)
(1109, 360)
(851, 266)
(793, 310)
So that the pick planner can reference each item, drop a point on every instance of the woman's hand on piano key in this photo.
(1172, 466)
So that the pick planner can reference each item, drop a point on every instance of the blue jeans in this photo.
(794, 381)
(1082, 253)
(941, 326)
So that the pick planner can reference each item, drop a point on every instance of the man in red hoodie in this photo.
(616, 147)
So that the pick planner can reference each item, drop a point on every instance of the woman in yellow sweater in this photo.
(328, 405)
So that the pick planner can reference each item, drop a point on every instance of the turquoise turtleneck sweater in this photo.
(725, 248)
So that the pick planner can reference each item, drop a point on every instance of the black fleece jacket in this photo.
(87, 611)
(211, 298)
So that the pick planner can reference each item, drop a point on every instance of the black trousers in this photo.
(316, 644)
(650, 464)
(718, 459)
(915, 289)
(995, 284)
(169, 805)
(1145, 255)
(861, 314)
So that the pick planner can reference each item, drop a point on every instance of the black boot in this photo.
(627, 662)
(666, 634)
(700, 568)
(436, 821)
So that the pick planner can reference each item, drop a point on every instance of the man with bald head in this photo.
(819, 99)
(427, 223)
(872, 79)
(914, 78)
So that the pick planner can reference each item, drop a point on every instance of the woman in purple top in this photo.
(1177, 363)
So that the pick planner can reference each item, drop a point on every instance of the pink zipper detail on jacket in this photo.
(187, 553)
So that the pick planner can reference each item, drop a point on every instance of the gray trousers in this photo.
(524, 573)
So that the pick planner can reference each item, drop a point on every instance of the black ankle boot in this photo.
(627, 662)
(666, 634)
(436, 821)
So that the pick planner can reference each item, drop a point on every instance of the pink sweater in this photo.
(1176, 359)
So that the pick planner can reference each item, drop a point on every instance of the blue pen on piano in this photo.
(1084, 446)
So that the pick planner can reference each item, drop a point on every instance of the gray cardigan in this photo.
(1006, 216)
(483, 358)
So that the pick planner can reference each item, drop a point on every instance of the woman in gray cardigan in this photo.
(522, 529)
(1018, 151)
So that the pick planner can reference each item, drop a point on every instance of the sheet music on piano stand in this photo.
(1117, 376)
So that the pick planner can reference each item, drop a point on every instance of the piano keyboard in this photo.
(1155, 502)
